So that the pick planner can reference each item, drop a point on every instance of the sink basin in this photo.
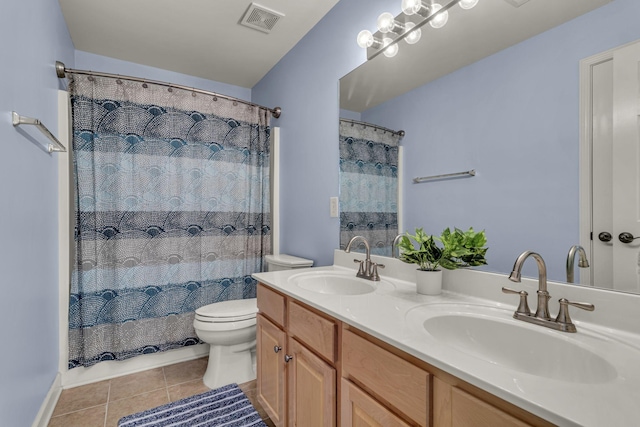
(495, 337)
(336, 283)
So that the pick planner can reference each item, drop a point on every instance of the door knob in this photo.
(605, 236)
(276, 348)
(287, 358)
(627, 237)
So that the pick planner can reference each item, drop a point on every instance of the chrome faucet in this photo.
(368, 269)
(583, 262)
(541, 317)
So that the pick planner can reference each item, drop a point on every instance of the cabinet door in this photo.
(312, 389)
(270, 349)
(469, 411)
(361, 410)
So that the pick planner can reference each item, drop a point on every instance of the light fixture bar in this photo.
(372, 52)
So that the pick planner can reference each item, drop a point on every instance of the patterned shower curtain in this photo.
(368, 185)
(171, 213)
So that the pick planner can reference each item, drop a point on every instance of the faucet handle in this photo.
(374, 271)
(563, 314)
(523, 307)
(361, 269)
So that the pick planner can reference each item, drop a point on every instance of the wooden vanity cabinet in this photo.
(297, 351)
(374, 384)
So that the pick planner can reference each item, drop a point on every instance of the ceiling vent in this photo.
(260, 18)
(516, 3)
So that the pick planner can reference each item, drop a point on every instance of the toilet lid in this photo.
(228, 311)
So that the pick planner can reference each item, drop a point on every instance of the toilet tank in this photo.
(286, 262)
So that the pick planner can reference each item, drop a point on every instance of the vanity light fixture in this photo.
(406, 26)
(366, 39)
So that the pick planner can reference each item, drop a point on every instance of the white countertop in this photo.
(389, 314)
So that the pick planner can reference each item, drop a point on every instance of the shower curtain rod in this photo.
(61, 71)
(400, 133)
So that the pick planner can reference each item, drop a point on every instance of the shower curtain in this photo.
(368, 185)
(171, 213)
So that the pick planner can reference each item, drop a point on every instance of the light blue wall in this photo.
(34, 36)
(90, 61)
(351, 115)
(514, 117)
(305, 84)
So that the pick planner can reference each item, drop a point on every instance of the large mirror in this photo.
(497, 90)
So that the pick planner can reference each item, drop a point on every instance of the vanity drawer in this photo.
(316, 331)
(271, 304)
(401, 384)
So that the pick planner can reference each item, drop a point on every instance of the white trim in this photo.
(586, 136)
(112, 369)
(275, 189)
(64, 228)
(49, 403)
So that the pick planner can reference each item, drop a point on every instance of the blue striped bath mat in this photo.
(225, 406)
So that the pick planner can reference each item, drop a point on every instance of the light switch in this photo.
(333, 207)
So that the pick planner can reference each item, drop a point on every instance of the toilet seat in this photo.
(228, 311)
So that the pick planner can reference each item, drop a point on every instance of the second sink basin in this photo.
(495, 337)
(336, 283)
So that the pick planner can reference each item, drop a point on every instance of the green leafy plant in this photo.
(457, 249)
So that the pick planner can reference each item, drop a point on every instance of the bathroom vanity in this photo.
(358, 354)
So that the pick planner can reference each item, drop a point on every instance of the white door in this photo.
(615, 179)
(626, 168)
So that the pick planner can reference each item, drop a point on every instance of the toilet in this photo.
(286, 262)
(229, 327)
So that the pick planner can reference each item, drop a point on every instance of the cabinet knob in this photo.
(276, 348)
(287, 358)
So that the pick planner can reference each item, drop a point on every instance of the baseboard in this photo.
(49, 403)
(112, 369)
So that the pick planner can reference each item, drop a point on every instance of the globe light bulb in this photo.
(412, 36)
(468, 4)
(441, 18)
(390, 51)
(365, 39)
(385, 22)
(410, 7)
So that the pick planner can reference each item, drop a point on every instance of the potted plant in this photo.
(451, 250)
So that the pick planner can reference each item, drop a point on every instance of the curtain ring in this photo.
(235, 103)
(144, 85)
(193, 94)
(215, 98)
(119, 81)
(90, 78)
(170, 89)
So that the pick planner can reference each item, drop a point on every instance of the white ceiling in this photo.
(196, 37)
(469, 36)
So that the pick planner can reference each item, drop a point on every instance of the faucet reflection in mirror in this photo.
(583, 262)
(368, 184)
(406, 26)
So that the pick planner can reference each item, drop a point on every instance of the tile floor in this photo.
(103, 403)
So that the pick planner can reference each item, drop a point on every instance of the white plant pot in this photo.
(429, 282)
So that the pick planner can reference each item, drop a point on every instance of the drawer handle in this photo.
(287, 358)
(276, 348)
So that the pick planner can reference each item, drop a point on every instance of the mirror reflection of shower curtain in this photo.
(172, 213)
(368, 185)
